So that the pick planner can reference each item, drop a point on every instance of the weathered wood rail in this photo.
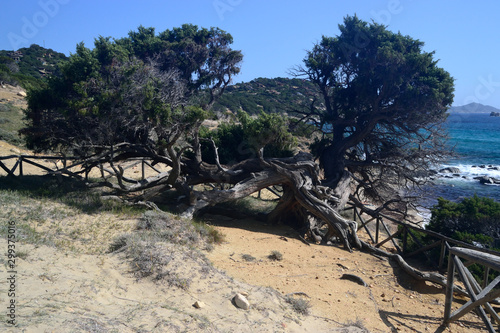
(406, 230)
(480, 296)
(66, 168)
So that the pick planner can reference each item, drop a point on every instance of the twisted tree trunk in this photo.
(303, 195)
(306, 204)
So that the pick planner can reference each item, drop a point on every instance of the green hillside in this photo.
(268, 95)
(28, 66)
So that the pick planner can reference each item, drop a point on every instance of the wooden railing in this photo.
(66, 168)
(480, 296)
(30, 159)
(404, 232)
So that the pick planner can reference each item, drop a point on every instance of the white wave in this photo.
(470, 171)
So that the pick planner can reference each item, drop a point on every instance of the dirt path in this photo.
(393, 301)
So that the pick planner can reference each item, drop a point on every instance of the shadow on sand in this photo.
(399, 322)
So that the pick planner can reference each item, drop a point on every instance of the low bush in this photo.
(474, 220)
(276, 256)
(150, 246)
(248, 257)
(300, 305)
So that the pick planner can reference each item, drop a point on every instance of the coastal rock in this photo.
(241, 302)
(488, 180)
(450, 170)
(494, 168)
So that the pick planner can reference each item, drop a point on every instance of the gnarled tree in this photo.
(380, 108)
(146, 96)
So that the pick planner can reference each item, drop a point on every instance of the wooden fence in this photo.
(479, 296)
(405, 231)
(66, 166)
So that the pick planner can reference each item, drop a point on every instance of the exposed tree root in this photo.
(413, 272)
(303, 196)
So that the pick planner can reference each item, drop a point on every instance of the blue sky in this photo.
(274, 34)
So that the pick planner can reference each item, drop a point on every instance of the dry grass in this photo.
(299, 305)
(248, 257)
(63, 214)
(150, 246)
(275, 255)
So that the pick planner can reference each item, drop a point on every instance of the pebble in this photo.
(199, 304)
(241, 301)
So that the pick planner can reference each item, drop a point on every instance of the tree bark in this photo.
(303, 197)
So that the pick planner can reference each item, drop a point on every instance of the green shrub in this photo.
(473, 220)
(240, 140)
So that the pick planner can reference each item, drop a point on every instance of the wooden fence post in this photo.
(449, 288)
(143, 168)
(485, 277)
(442, 255)
(479, 297)
(20, 165)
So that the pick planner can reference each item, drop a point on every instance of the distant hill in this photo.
(28, 66)
(268, 95)
(473, 108)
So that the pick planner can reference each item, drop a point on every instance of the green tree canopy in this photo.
(382, 100)
(142, 89)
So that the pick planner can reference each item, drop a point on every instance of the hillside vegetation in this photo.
(11, 121)
(28, 67)
(269, 95)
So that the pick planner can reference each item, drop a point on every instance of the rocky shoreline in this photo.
(454, 172)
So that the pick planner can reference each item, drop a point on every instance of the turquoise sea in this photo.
(476, 140)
